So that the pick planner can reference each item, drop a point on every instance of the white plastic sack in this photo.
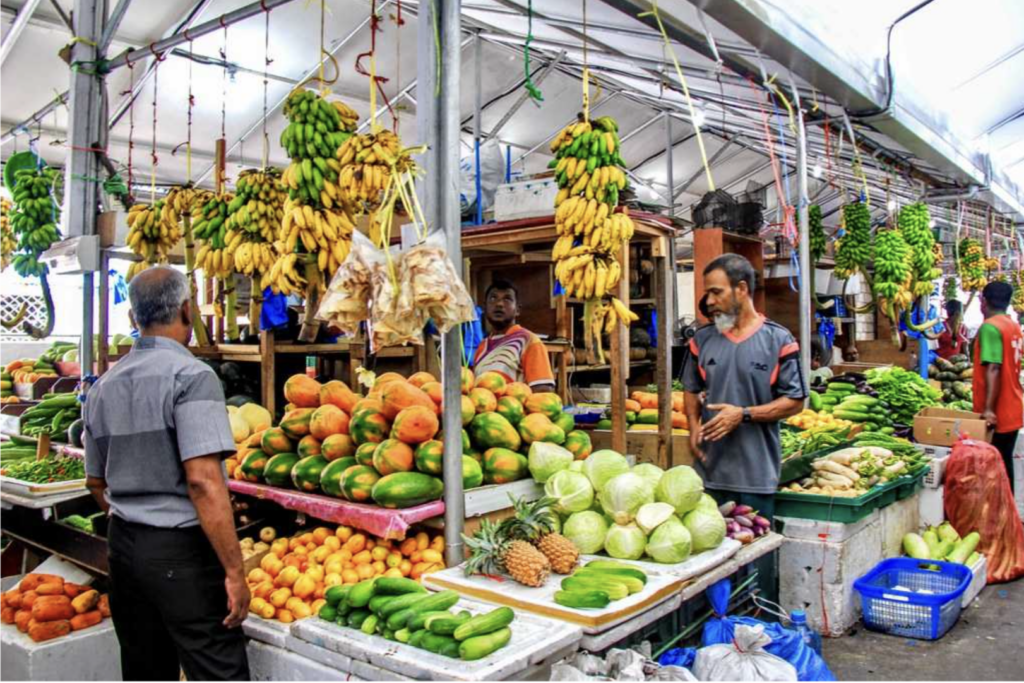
(1018, 473)
(742, 660)
(618, 665)
(492, 174)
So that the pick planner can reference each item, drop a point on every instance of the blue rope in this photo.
(479, 187)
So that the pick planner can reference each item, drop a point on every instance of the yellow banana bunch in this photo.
(366, 163)
(153, 231)
(323, 233)
(601, 318)
(283, 277)
(7, 242)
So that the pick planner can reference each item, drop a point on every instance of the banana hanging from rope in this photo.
(34, 219)
(971, 265)
(366, 163)
(217, 243)
(914, 223)
(256, 213)
(7, 241)
(316, 129)
(853, 249)
(323, 233)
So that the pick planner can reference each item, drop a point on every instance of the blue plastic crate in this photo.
(892, 604)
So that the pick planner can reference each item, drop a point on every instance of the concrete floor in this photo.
(984, 645)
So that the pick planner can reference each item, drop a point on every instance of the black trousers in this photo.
(168, 603)
(1005, 443)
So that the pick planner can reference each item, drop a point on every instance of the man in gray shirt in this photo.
(156, 429)
(748, 368)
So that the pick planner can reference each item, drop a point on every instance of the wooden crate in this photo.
(644, 445)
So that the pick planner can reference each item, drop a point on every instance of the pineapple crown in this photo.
(486, 549)
(531, 520)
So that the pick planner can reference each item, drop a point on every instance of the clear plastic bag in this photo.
(347, 300)
(744, 659)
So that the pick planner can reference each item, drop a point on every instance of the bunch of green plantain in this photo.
(218, 244)
(316, 129)
(853, 249)
(34, 219)
(892, 270)
(817, 233)
(971, 265)
(914, 223)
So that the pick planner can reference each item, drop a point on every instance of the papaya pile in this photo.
(296, 576)
(642, 412)
(387, 447)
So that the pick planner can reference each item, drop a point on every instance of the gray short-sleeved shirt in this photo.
(745, 372)
(156, 408)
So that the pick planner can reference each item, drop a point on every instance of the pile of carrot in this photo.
(45, 606)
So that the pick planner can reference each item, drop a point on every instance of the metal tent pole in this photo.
(437, 120)
(806, 273)
(20, 22)
(86, 122)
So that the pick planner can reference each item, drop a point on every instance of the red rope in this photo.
(788, 212)
(131, 119)
(153, 154)
(360, 69)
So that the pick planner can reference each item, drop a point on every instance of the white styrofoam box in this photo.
(974, 588)
(936, 472)
(92, 654)
(817, 576)
(340, 662)
(268, 631)
(817, 530)
(525, 199)
(899, 519)
(935, 452)
(930, 505)
(269, 663)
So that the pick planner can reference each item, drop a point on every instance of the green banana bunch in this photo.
(853, 249)
(7, 241)
(914, 223)
(817, 233)
(316, 129)
(258, 206)
(949, 289)
(587, 161)
(971, 264)
(34, 219)
(892, 268)
(1018, 292)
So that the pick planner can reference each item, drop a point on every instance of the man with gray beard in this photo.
(742, 377)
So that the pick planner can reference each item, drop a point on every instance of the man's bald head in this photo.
(157, 295)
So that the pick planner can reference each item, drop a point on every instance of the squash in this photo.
(48, 630)
(80, 621)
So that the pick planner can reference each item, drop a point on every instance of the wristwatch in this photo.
(746, 415)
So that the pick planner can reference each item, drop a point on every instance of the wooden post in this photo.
(662, 271)
(220, 164)
(562, 332)
(267, 371)
(231, 307)
(255, 305)
(198, 326)
(310, 324)
(103, 345)
(620, 362)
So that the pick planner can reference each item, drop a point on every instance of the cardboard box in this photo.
(942, 426)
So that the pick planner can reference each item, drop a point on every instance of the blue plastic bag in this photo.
(786, 643)
(275, 310)
(678, 656)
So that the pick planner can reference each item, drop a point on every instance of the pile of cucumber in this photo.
(842, 400)
(599, 582)
(17, 448)
(402, 610)
(53, 416)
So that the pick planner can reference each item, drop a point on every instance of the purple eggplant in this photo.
(762, 522)
(744, 522)
(741, 510)
(727, 508)
(732, 527)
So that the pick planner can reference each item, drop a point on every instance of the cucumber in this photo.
(447, 624)
(851, 415)
(416, 640)
(434, 602)
(403, 635)
(419, 620)
(479, 647)
(842, 387)
(432, 642)
(614, 589)
(815, 400)
(377, 602)
(399, 603)
(357, 617)
(398, 620)
(388, 634)
(634, 584)
(624, 572)
(336, 595)
(328, 613)
(398, 586)
(582, 599)
(361, 593)
(482, 624)
(369, 624)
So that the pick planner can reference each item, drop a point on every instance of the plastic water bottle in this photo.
(810, 637)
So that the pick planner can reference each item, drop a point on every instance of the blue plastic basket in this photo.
(892, 604)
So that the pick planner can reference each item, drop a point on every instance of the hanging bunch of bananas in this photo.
(892, 271)
(284, 276)
(315, 131)
(7, 241)
(971, 265)
(255, 213)
(1017, 302)
(34, 219)
(367, 164)
(818, 241)
(153, 231)
(217, 244)
(323, 233)
(949, 288)
(853, 249)
(914, 223)
(183, 200)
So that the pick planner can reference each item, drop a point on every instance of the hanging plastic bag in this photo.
(978, 498)
(347, 300)
(434, 288)
(785, 643)
(744, 659)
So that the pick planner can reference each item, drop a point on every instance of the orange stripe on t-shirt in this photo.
(791, 347)
(694, 349)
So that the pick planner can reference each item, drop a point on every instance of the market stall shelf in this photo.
(31, 490)
(382, 522)
(749, 553)
(535, 641)
(268, 631)
(540, 601)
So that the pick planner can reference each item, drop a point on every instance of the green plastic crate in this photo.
(908, 486)
(827, 508)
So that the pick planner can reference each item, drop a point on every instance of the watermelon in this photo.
(253, 465)
(502, 466)
(566, 421)
(330, 476)
(511, 409)
(491, 430)
(472, 473)
(278, 470)
(364, 454)
(406, 489)
(429, 456)
(306, 473)
(357, 483)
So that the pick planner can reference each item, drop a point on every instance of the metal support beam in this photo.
(525, 95)
(478, 110)
(806, 273)
(603, 101)
(13, 33)
(113, 23)
(85, 129)
(700, 171)
(437, 120)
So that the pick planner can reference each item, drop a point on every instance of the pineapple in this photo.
(492, 551)
(535, 522)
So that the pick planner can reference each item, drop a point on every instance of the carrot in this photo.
(85, 620)
(86, 601)
(104, 606)
(31, 581)
(48, 630)
(51, 588)
(7, 615)
(21, 620)
(52, 610)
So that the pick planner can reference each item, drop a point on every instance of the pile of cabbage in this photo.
(628, 513)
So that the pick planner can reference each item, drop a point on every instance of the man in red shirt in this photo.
(996, 383)
(953, 339)
(510, 349)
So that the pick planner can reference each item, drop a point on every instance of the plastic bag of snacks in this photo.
(347, 300)
(433, 289)
(978, 498)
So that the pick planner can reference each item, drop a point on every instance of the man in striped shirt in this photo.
(156, 429)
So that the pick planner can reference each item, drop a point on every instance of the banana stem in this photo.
(849, 300)
(231, 307)
(47, 329)
(925, 327)
(198, 327)
(255, 305)
(16, 320)
(310, 324)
